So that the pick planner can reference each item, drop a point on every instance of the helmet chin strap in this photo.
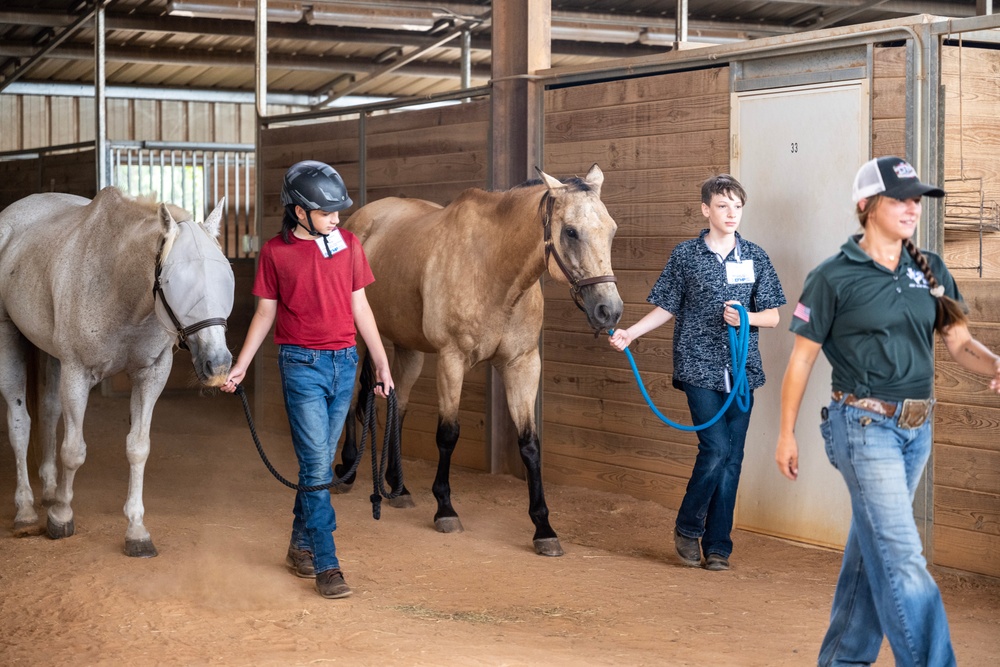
(310, 229)
(312, 232)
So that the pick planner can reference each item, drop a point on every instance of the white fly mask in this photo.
(195, 282)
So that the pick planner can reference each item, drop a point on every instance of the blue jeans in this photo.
(884, 586)
(708, 505)
(317, 387)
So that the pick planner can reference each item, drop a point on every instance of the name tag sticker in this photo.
(740, 273)
(331, 244)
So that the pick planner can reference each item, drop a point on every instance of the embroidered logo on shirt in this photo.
(802, 312)
(917, 278)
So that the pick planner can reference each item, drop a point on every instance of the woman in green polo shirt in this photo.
(873, 310)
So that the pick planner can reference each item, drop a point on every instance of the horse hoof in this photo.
(448, 524)
(57, 531)
(140, 548)
(342, 488)
(548, 546)
(404, 501)
(28, 529)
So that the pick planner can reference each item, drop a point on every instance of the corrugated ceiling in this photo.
(319, 49)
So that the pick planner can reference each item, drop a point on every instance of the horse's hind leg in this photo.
(406, 366)
(50, 407)
(450, 375)
(74, 387)
(520, 378)
(13, 382)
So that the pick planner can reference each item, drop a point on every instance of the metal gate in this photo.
(195, 177)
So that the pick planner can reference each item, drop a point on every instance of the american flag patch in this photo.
(802, 312)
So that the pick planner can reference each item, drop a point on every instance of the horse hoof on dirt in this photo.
(404, 501)
(548, 546)
(57, 531)
(28, 529)
(448, 524)
(342, 488)
(140, 549)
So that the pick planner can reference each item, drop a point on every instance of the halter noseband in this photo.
(575, 284)
(182, 331)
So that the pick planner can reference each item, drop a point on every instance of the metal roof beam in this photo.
(196, 57)
(314, 33)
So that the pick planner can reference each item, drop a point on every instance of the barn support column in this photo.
(521, 47)
(100, 107)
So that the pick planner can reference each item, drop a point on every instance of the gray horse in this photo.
(101, 287)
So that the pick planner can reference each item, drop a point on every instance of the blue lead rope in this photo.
(739, 348)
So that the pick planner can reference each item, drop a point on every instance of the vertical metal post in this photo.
(100, 113)
(466, 59)
(682, 23)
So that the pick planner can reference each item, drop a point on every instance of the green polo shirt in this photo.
(876, 325)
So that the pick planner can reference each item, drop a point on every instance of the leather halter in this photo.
(182, 331)
(575, 284)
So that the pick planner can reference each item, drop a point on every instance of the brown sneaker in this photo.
(331, 584)
(300, 562)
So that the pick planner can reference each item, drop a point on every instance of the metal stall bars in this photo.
(194, 176)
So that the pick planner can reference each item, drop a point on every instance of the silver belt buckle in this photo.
(915, 412)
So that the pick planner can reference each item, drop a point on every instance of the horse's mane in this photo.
(576, 184)
(149, 202)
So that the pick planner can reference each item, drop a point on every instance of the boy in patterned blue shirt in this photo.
(701, 282)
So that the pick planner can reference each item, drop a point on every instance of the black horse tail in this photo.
(366, 385)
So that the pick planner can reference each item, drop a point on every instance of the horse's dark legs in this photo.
(520, 377)
(446, 519)
(545, 540)
(394, 475)
(348, 452)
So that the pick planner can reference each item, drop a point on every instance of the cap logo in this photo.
(904, 170)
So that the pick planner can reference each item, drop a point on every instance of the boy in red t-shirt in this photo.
(311, 282)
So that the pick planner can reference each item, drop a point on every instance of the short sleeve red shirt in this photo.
(313, 292)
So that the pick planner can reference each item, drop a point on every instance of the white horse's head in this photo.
(194, 288)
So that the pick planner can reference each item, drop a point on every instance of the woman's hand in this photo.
(787, 456)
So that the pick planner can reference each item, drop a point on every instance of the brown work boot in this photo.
(687, 548)
(331, 584)
(300, 562)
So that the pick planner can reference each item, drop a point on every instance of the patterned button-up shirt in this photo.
(694, 287)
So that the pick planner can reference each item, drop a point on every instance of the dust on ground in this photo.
(220, 594)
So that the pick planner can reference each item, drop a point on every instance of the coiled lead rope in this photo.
(739, 348)
(391, 439)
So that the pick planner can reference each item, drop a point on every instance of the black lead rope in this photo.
(391, 439)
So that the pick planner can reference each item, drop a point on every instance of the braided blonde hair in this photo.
(949, 311)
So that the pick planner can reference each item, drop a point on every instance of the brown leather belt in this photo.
(913, 415)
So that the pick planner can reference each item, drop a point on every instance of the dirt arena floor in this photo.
(219, 593)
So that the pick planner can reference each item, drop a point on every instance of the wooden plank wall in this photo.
(656, 139)
(74, 173)
(967, 425)
(432, 154)
(32, 121)
(966, 459)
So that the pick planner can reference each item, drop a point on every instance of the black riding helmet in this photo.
(314, 185)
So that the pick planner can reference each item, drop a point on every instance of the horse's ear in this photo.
(553, 184)
(167, 220)
(213, 224)
(595, 179)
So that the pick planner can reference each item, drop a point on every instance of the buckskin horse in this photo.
(100, 287)
(462, 281)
